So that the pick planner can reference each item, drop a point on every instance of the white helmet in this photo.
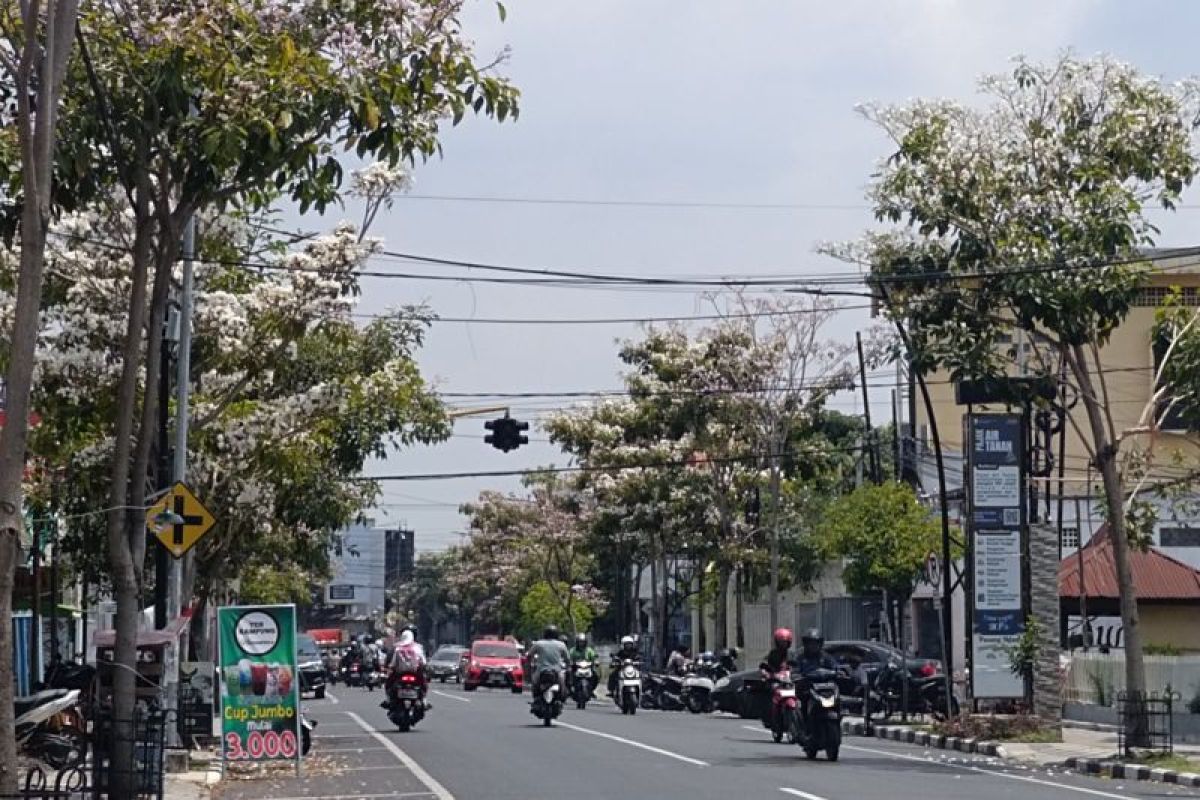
(627, 641)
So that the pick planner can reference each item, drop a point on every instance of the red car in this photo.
(494, 663)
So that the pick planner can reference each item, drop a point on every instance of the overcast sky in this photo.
(746, 102)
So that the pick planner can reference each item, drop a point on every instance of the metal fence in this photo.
(1145, 722)
(38, 784)
(1099, 678)
(149, 738)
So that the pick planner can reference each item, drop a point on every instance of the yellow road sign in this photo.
(179, 519)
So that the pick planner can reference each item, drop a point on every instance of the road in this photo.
(487, 746)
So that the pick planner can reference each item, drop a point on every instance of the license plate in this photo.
(407, 694)
(497, 678)
(787, 692)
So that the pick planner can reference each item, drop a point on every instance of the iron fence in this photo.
(148, 734)
(38, 784)
(1145, 722)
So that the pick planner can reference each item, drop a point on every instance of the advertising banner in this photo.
(260, 686)
(996, 483)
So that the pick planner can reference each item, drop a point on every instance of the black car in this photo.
(445, 663)
(311, 666)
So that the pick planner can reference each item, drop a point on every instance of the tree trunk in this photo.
(126, 571)
(1114, 497)
(773, 493)
(637, 599)
(654, 615)
(41, 69)
(742, 580)
(721, 609)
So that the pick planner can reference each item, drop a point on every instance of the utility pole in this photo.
(183, 370)
(876, 475)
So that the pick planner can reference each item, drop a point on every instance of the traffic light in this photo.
(506, 433)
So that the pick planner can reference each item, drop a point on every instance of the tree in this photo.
(1028, 214)
(542, 605)
(227, 103)
(34, 52)
(883, 534)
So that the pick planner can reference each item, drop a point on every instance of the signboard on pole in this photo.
(995, 486)
(260, 685)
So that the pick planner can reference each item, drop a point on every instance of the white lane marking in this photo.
(329, 696)
(992, 773)
(392, 796)
(980, 770)
(449, 696)
(685, 759)
(798, 793)
(435, 788)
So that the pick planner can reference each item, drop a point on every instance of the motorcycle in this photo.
(352, 674)
(823, 728)
(371, 678)
(662, 692)
(697, 690)
(547, 704)
(926, 695)
(785, 707)
(307, 726)
(629, 687)
(404, 704)
(583, 682)
(42, 730)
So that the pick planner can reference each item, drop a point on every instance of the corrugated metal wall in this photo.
(22, 650)
(758, 627)
(844, 617)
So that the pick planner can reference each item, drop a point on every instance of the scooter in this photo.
(823, 728)
(662, 692)
(42, 731)
(697, 690)
(926, 695)
(784, 719)
(629, 687)
(547, 702)
(352, 674)
(404, 705)
(583, 682)
(371, 678)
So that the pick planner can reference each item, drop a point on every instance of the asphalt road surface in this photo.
(487, 746)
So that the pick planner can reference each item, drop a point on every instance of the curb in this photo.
(1135, 772)
(1085, 766)
(925, 739)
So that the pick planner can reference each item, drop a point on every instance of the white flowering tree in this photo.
(217, 104)
(290, 395)
(1043, 190)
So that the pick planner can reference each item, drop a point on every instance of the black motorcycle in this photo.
(547, 701)
(926, 695)
(583, 683)
(662, 692)
(819, 725)
(405, 706)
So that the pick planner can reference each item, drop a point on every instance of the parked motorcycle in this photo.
(547, 701)
(629, 687)
(926, 695)
(42, 728)
(583, 683)
(662, 692)
(697, 688)
(404, 704)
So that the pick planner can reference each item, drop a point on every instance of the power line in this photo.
(624, 320)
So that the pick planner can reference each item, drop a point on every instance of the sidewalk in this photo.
(189, 785)
(1080, 744)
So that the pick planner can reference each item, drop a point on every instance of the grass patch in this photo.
(1171, 761)
(1042, 736)
(1000, 728)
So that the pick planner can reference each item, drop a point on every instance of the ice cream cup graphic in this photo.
(233, 681)
(244, 676)
(285, 680)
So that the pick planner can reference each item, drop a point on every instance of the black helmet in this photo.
(550, 632)
(581, 639)
(812, 641)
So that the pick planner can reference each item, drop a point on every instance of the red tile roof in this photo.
(1156, 576)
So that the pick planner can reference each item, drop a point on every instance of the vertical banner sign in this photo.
(260, 686)
(996, 486)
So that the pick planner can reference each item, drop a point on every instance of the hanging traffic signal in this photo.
(506, 433)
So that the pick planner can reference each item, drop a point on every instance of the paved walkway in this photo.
(1079, 744)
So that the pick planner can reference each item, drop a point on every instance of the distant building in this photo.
(368, 566)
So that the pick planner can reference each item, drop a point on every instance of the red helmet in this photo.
(783, 638)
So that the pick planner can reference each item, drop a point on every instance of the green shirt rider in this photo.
(582, 651)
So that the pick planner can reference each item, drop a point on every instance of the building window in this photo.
(1179, 537)
(1070, 538)
(1153, 296)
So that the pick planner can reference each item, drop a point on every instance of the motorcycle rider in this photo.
(582, 651)
(628, 651)
(353, 655)
(408, 657)
(549, 654)
(729, 660)
(812, 657)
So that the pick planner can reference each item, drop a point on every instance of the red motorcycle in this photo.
(784, 719)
